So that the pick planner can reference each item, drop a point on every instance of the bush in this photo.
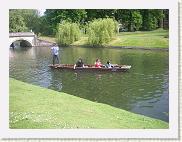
(152, 23)
(137, 20)
(67, 33)
(101, 31)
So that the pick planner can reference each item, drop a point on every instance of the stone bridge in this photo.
(27, 39)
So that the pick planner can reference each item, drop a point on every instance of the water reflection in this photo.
(144, 89)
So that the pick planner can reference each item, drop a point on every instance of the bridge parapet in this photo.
(22, 34)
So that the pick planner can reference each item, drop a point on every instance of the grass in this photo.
(145, 39)
(150, 39)
(50, 39)
(35, 107)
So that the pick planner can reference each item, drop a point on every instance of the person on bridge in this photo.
(55, 53)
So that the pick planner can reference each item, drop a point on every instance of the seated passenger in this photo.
(79, 63)
(98, 63)
(108, 65)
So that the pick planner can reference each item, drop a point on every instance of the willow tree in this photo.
(67, 33)
(101, 31)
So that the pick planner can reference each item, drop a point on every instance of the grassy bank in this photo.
(35, 107)
(50, 39)
(150, 39)
(147, 39)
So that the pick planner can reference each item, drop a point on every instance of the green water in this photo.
(143, 89)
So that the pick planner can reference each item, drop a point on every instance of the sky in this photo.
(41, 11)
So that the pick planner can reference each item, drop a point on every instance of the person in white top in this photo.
(55, 53)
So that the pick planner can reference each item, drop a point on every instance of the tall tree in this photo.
(166, 19)
(25, 20)
(16, 22)
(55, 16)
(129, 18)
(99, 13)
(151, 18)
(32, 19)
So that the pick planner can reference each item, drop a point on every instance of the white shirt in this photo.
(55, 50)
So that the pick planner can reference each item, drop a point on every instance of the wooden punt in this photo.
(116, 68)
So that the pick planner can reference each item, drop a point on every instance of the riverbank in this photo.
(157, 39)
(35, 107)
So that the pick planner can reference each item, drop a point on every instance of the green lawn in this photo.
(151, 39)
(50, 39)
(35, 107)
(147, 39)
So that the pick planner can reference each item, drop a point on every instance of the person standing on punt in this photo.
(98, 63)
(55, 53)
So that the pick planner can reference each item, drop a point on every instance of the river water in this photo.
(144, 89)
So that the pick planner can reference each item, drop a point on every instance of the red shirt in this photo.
(98, 65)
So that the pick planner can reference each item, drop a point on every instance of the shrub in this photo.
(67, 33)
(137, 20)
(101, 31)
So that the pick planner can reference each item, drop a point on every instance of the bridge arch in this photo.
(27, 39)
(23, 42)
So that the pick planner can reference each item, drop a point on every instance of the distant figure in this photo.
(12, 46)
(98, 63)
(79, 63)
(55, 53)
(108, 65)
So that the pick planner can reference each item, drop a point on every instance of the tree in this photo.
(166, 19)
(131, 19)
(16, 22)
(136, 21)
(99, 13)
(45, 28)
(101, 31)
(32, 19)
(67, 33)
(151, 18)
(25, 19)
(55, 16)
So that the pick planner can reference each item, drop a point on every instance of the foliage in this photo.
(45, 28)
(101, 31)
(72, 15)
(151, 19)
(55, 16)
(22, 20)
(131, 20)
(16, 22)
(92, 14)
(136, 20)
(32, 20)
(67, 33)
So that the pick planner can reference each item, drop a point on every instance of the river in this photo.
(144, 89)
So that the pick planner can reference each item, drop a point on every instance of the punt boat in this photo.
(115, 68)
